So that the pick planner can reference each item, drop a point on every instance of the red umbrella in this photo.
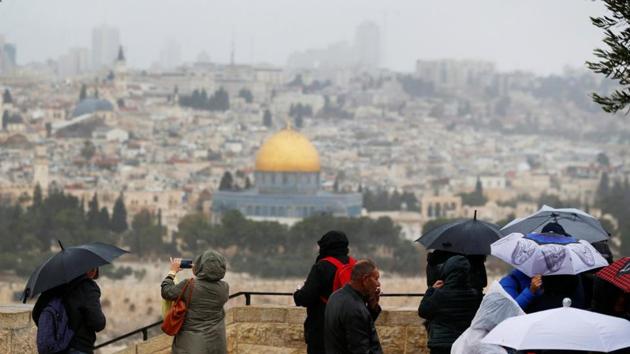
(618, 274)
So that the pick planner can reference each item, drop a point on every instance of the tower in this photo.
(40, 168)
(120, 74)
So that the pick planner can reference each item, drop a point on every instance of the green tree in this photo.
(614, 60)
(146, 235)
(119, 215)
(267, 121)
(103, 219)
(93, 214)
(6, 96)
(603, 160)
(88, 150)
(227, 182)
(37, 197)
(246, 95)
(83, 93)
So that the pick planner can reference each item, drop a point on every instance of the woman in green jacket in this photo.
(203, 330)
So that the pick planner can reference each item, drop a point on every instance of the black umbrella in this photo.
(469, 237)
(68, 264)
(575, 222)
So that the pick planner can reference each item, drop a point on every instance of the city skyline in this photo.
(538, 36)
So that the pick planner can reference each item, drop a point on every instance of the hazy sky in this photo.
(539, 35)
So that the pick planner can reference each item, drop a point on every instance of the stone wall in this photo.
(17, 330)
(250, 329)
(279, 330)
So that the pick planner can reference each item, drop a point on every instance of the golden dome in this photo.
(287, 151)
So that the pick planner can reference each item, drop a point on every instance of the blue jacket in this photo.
(517, 285)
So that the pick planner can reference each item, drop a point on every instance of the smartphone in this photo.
(185, 263)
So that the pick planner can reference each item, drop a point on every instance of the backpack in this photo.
(53, 328)
(342, 275)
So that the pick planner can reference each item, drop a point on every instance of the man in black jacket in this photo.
(318, 287)
(81, 298)
(450, 305)
(351, 312)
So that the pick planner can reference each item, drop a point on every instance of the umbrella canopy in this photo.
(575, 222)
(563, 328)
(469, 237)
(618, 274)
(547, 254)
(68, 264)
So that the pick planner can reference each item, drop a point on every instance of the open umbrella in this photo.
(547, 254)
(68, 264)
(469, 237)
(563, 328)
(575, 222)
(618, 274)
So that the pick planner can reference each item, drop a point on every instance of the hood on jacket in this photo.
(333, 243)
(210, 265)
(455, 272)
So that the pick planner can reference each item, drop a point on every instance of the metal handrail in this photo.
(248, 301)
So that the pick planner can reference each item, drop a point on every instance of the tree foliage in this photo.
(614, 60)
(270, 249)
(219, 101)
(246, 94)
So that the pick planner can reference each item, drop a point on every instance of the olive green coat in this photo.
(203, 331)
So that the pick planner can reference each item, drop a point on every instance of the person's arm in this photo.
(358, 332)
(170, 290)
(428, 306)
(308, 294)
(93, 316)
(512, 285)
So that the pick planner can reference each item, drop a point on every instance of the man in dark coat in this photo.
(450, 305)
(82, 301)
(318, 286)
(351, 311)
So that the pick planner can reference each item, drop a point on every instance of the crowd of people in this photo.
(341, 296)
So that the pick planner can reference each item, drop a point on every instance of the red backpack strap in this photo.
(337, 263)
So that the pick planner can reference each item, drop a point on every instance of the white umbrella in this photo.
(563, 328)
(547, 254)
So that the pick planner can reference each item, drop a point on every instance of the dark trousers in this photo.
(440, 350)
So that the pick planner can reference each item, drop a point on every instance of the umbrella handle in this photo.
(25, 295)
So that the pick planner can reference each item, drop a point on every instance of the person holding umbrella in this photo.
(66, 281)
(81, 299)
(470, 238)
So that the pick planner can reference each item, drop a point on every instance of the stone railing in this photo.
(17, 330)
(250, 329)
(262, 330)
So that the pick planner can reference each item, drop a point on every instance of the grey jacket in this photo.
(203, 331)
(349, 324)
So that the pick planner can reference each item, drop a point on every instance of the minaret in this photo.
(40, 168)
(120, 74)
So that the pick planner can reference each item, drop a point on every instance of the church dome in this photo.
(287, 151)
(91, 105)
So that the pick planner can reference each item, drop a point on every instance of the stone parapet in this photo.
(17, 330)
(279, 330)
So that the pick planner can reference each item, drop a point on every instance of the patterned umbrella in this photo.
(547, 254)
(618, 274)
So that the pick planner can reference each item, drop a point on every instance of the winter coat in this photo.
(349, 324)
(318, 284)
(517, 285)
(203, 331)
(477, 275)
(82, 301)
(449, 309)
(497, 305)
